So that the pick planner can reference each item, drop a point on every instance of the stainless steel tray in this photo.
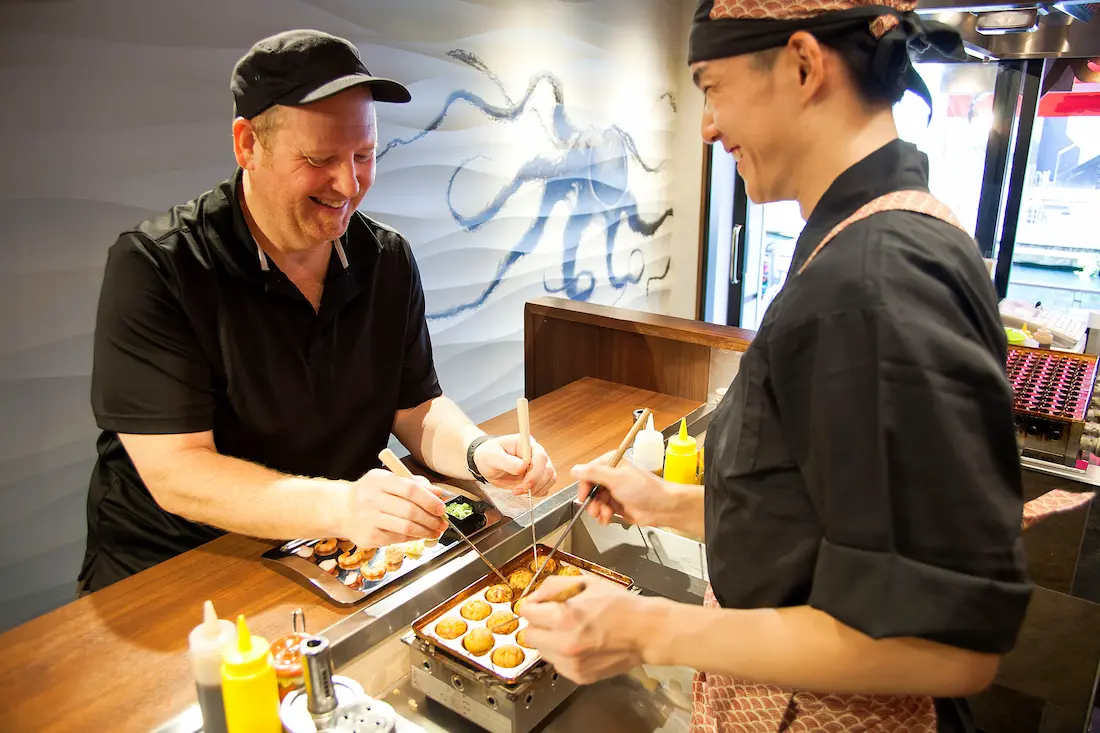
(300, 561)
(424, 627)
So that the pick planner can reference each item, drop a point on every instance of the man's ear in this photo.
(244, 143)
(808, 57)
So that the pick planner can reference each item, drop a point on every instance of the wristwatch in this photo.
(470, 463)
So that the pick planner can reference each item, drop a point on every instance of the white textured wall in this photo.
(117, 109)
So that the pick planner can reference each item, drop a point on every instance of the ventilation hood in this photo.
(1021, 30)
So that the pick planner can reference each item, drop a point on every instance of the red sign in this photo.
(1070, 104)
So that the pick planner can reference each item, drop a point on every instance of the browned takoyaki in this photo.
(502, 622)
(478, 641)
(499, 593)
(508, 656)
(475, 610)
(450, 628)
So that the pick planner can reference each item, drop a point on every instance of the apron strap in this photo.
(919, 202)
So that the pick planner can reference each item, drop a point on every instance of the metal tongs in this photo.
(618, 455)
(393, 463)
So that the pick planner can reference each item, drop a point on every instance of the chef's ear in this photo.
(809, 59)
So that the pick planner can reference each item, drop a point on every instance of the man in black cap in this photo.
(862, 506)
(256, 347)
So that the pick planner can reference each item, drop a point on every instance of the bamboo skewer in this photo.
(396, 467)
(524, 414)
(618, 456)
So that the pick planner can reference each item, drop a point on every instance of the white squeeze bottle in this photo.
(649, 449)
(205, 644)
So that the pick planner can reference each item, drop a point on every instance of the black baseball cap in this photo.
(302, 66)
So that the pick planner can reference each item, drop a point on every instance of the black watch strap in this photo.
(470, 457)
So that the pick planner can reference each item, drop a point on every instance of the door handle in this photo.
(734, 246)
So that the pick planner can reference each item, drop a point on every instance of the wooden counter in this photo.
(117, 659)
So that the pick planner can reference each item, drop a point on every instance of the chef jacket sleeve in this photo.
(902, 428)
(149, 374)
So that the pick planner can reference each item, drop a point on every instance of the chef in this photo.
(863, 495)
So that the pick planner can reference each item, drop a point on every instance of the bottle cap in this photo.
(248, 654)
(682, 444)
(648, 433)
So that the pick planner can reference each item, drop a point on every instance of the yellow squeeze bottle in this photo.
(249, 688)
(682, 458)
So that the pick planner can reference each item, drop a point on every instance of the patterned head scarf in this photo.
(880, 33)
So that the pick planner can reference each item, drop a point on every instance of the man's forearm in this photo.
(684, 510)
(438, 433)
(235, 495)
(807, 649)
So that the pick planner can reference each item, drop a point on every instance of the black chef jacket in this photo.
(864, 460)
(198, 330)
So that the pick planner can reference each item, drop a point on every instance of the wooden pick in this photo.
(393, 463)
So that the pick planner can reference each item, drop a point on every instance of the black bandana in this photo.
(887, 57)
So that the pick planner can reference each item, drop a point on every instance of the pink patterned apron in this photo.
(726, 705)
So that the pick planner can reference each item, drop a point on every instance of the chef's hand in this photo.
(636, 495)
(499, 462)
(594, 635)
(384, 509)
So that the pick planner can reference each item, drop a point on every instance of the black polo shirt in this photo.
(864, 461)
(198, 330)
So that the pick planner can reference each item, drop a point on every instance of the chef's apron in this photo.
(726, 705)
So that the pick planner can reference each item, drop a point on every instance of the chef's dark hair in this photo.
(882, 85)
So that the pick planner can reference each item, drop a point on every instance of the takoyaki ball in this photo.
(450, 628)
(502, 622)
(475, 610)
(521, 639)
(570, 571)
(508, 656)
(520, 579)
(499, 593)
(395, 556)
(373, 572)
(549, 562)
(517, 604)
(478, 641)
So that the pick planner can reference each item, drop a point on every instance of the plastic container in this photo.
(204, 645)
(682, 458)
(248, 684)
(649, 449)
(286, 655)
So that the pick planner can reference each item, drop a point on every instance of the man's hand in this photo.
(594, 635)
(638, 496)
(384, 509)
(498, 461)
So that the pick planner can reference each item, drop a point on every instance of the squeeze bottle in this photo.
(682, 458)
(205, 644)
(248, 684)
(649, 449)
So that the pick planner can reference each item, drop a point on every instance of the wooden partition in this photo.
(565, 340)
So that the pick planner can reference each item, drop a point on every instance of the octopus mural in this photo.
(587, 173)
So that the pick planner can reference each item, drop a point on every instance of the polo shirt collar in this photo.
(243, 234)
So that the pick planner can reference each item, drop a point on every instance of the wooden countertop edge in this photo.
(648, 324)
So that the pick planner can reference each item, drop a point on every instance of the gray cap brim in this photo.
(384, 90)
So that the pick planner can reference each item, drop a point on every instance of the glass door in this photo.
(750, 246)
(1056, 255)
